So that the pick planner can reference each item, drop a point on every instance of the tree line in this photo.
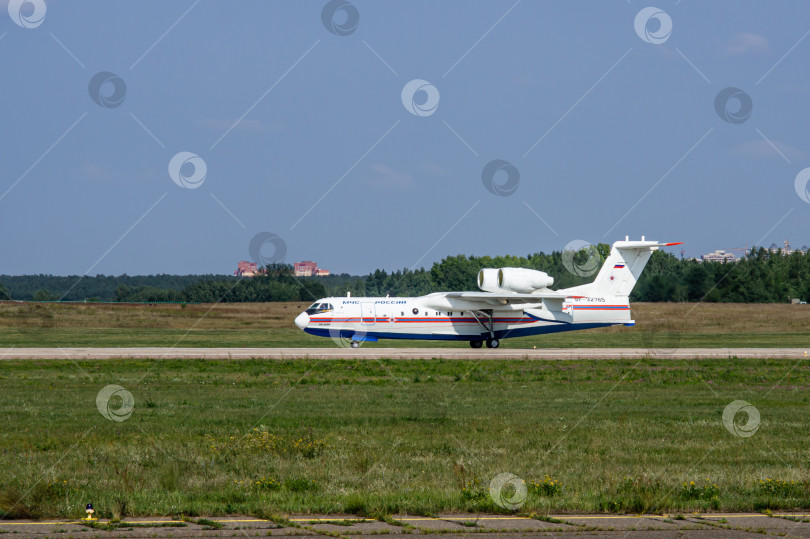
(88, 288)
(760, 276)
(276, 283)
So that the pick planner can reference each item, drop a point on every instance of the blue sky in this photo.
(304, 133)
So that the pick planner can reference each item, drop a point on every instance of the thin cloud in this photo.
(95, 171)
(221, 125)
(763, 149)
(433, 169)
(743, 43)
(387, 178)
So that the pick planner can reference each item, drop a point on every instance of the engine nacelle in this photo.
(488, 280)
(523, 280)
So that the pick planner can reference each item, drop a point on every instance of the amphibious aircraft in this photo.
(513, 302)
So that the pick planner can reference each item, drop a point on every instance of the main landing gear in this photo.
(489, 327)
(491, 343)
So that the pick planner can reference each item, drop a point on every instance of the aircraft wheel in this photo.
(476, 344)
(355, 344)
(493, 343)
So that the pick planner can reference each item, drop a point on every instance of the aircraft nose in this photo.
(302, 320)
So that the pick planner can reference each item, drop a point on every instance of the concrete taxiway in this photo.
(730, 525)
(398, 353)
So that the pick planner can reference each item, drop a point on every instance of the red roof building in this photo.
(246, 269)
(308, 268)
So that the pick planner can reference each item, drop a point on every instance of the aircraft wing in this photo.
(510, 298)
(487, 300)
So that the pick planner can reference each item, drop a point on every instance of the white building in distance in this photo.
(719, 256)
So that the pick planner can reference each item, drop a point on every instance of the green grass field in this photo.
(659, 326)
(377, 438)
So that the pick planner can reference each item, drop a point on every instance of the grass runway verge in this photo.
(266, 438)
(659, 326)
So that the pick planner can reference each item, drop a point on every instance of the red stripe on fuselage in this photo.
(602, 307)
(385, 319)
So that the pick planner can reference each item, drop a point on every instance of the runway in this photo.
(75, 354)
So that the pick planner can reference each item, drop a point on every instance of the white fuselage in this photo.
(438, 317)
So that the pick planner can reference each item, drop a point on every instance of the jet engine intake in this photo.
(488, 280)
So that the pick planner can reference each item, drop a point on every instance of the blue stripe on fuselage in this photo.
(499, 334)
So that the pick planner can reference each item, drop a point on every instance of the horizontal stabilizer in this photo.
(642, 245)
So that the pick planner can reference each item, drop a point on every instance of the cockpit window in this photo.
(317, 307)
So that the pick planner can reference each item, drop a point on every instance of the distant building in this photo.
(787, 250)
(308, 268)
(305, 269)
(719, 256)
(246, 269)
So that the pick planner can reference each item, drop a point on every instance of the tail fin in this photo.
(621, 270)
